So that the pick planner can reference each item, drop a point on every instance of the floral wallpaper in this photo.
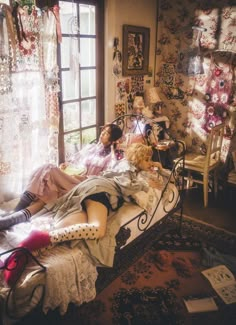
(195, 69)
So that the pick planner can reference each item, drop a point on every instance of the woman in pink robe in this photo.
(50, 182)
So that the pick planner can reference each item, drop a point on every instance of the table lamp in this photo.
(138, 104)
(152, 100)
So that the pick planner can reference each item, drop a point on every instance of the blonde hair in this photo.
(138, 152)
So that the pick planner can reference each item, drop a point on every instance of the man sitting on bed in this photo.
(82, 213)
(49, 182)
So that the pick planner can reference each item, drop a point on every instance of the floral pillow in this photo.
(147, 200)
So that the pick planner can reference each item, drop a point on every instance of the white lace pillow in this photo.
(147, 200)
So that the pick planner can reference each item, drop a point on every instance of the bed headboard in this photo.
(133, 127)
(131, 123)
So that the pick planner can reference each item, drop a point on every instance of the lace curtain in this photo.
(29, 116)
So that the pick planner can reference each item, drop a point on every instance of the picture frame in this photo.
(136, 41)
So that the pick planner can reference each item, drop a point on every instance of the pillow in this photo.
(147, 200)
(154, 177)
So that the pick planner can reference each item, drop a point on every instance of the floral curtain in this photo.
(29, 116)
(195, 68)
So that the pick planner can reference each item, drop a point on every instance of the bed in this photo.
(46, 282)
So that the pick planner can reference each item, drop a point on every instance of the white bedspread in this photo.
(70, 275)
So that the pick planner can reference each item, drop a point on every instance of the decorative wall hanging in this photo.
(190, 62)
(135, 50)
(218, 93)
(122, 89)
(117, 58)
(168, 85)
(120, 109)
(137, 85)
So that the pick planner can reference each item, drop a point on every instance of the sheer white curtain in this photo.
(29, 112)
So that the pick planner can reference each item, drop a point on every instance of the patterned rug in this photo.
(194, 235)
(149, 280)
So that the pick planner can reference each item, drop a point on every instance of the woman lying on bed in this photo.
(49, 182)
(82, 213)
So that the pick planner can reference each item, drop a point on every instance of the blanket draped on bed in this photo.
(80, 273)
(120, 186)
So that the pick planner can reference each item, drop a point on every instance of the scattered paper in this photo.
(223, 282)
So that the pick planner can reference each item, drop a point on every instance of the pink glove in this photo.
(17, 261)
(36, 240)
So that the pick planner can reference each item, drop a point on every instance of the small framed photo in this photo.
(135, 50)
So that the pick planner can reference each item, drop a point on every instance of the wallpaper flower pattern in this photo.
(195, 69)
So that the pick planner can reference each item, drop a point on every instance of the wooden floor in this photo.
(221, 212)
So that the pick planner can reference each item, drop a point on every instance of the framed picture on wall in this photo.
(135, 50)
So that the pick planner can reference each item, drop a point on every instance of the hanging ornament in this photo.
(117, 58)
(218, 72)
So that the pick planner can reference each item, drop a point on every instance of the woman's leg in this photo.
(21, 216)
(72, 219)
(35, 207)
(97, 215)
(94, 228)
(25, 200)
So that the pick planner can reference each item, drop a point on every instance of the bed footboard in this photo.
(26, 256)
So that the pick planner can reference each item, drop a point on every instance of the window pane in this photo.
(68, 18)
(88, 136)
(87, 19)
(78, 74)
(65, 52)
(88, 112)
(71, 116)
(72, 144)
(70, 86)
(88, 83)
(87, 52)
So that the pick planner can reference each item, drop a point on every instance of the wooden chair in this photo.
(203, 165)
(231, 185)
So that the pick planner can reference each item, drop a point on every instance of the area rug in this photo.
(148, 282)
(151, 289)
(191, 235)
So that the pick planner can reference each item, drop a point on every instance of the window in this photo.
(80, 60)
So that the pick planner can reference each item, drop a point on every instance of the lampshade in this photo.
(151, 96)
(138, 104)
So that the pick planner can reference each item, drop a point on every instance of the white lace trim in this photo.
(69, 278)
